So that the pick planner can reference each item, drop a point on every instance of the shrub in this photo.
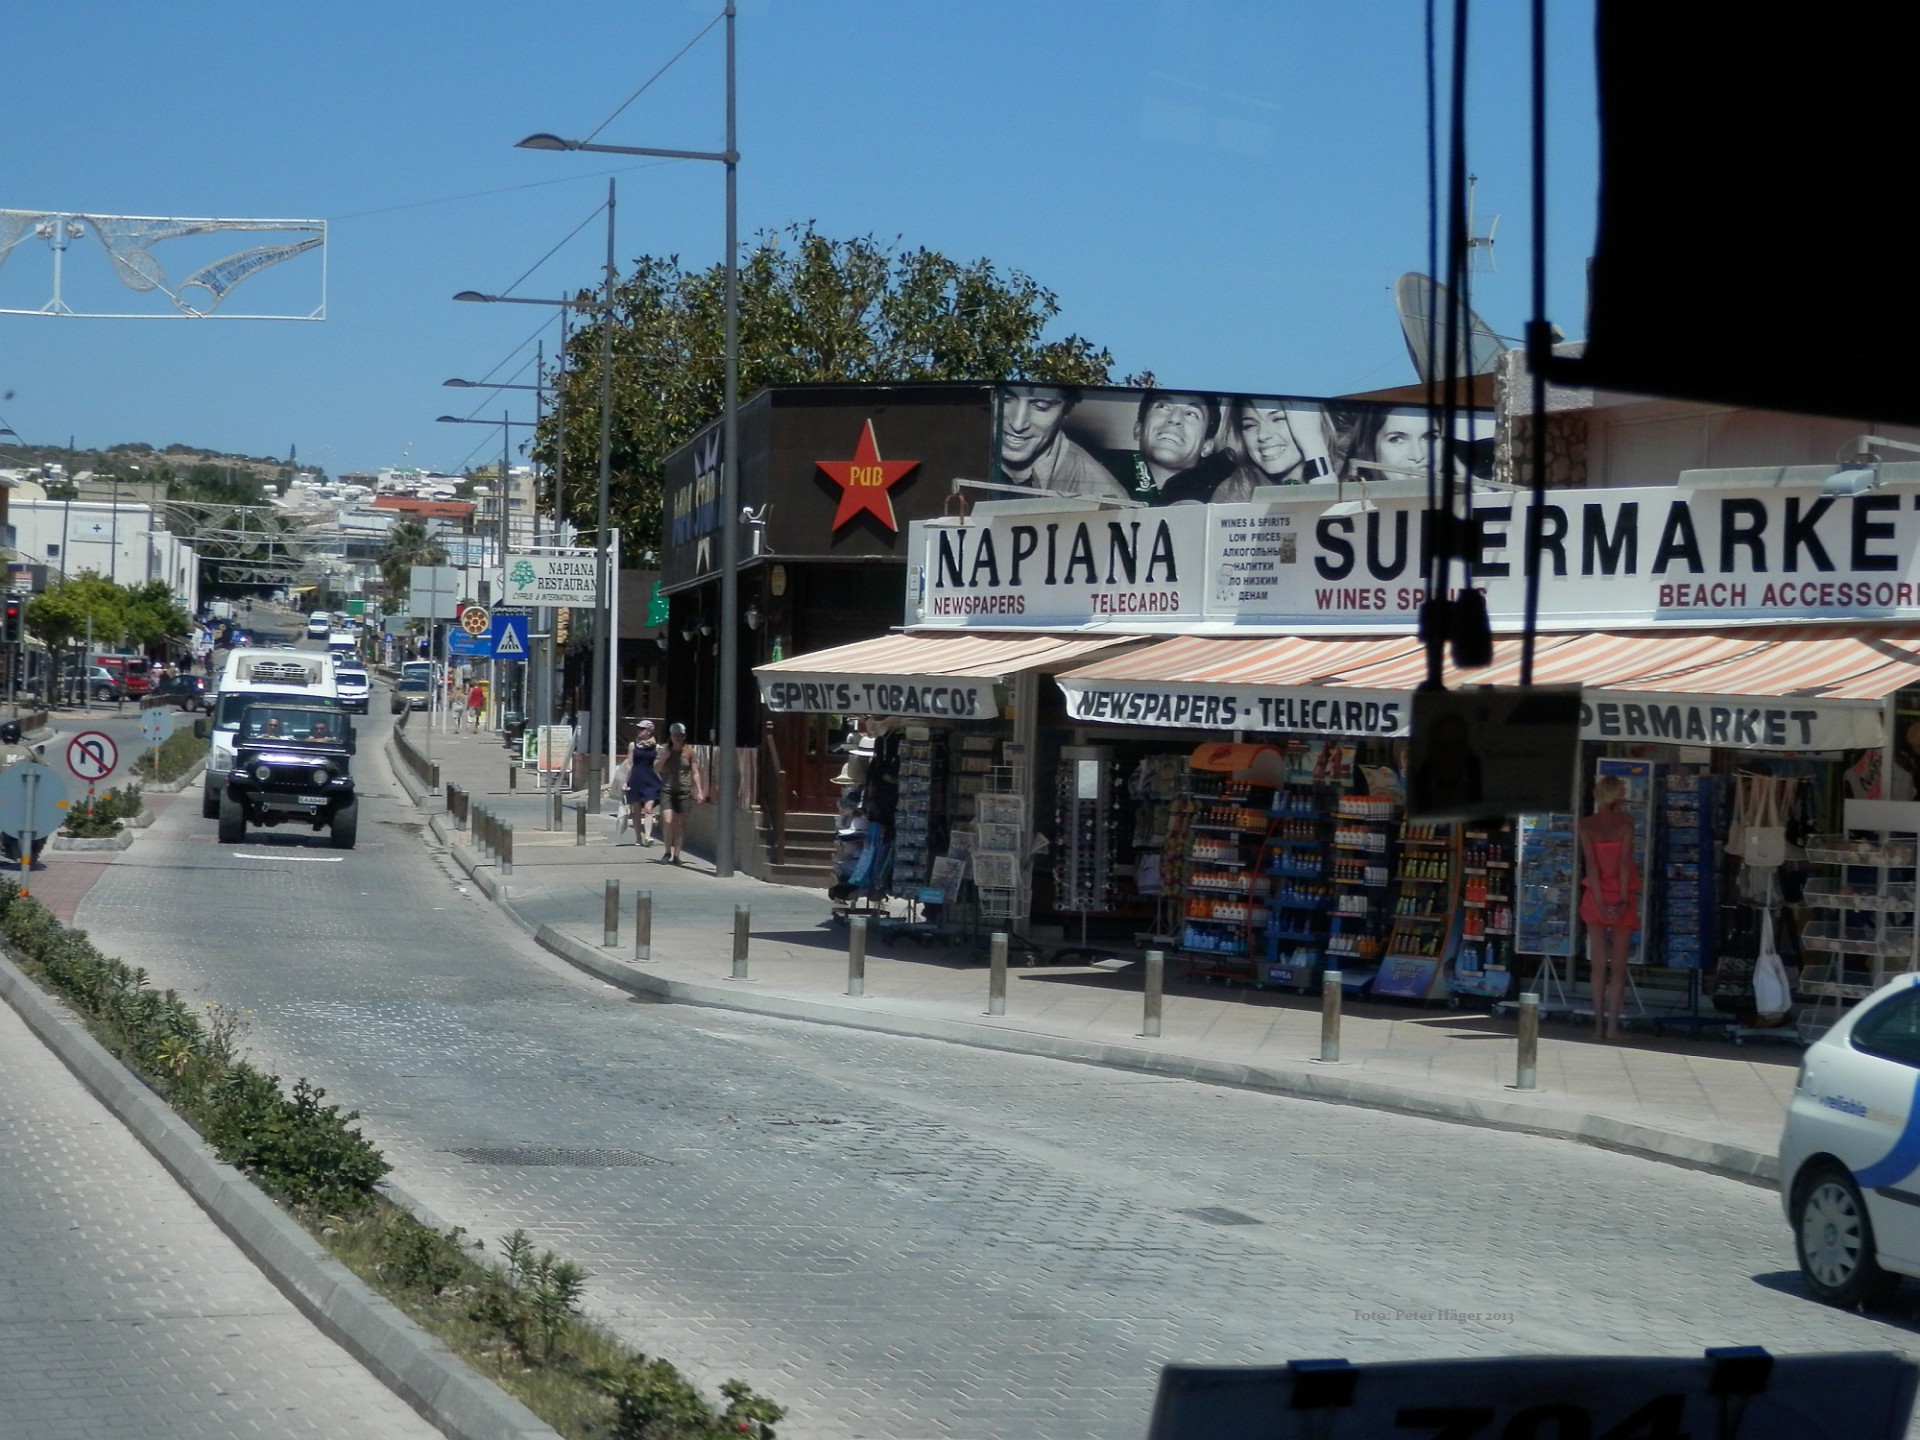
(173, 757)
(102, 815)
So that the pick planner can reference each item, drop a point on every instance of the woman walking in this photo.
(1609, 900)
(643, 784)
(681, 788)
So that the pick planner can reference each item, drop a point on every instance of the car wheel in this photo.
(209, 803)
(233, 820)
(103, 694)
(346, 825)
(1833, 1236)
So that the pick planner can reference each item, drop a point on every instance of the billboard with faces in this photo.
(1168, 447)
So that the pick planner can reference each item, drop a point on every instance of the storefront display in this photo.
(1483, 960)
(1423, 915)
(1688, 861)
(1083, 847)
(1225, 888)
(1863, 898)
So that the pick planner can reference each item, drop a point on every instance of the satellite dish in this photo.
(1422, 303)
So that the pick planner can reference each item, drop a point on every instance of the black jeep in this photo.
(291, 764)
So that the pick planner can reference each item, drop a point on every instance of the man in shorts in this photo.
(681, 788)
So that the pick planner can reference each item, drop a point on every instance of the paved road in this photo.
(900, 1238)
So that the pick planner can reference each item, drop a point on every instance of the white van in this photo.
(319, 623)
(249, 676)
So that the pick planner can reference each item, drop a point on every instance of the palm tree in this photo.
(408, 544)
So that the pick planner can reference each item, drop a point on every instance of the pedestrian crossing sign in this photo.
(510, 637)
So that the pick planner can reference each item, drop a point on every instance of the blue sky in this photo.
(1221, 191)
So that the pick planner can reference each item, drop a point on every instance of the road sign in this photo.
(433, 591)
(656, 606)
(475, 620)
(153, 726)
(92, 755)
(32, 797)
(510, 636)
(462, 646)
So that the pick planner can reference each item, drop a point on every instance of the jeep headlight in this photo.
(321, 774)
(262, 773)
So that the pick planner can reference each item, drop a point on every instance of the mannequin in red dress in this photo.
(1609, 899)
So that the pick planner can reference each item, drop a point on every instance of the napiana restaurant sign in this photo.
(1606, 558)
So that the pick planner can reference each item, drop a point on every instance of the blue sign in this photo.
(463, 646)
(510, 636)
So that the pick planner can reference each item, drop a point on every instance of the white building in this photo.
(122, 541)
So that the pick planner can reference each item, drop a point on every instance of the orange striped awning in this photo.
(1831, 681)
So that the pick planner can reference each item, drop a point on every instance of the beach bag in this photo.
(1772, 994)
(1764, 840)
(1737, 826)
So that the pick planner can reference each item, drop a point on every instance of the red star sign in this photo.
(865, 480)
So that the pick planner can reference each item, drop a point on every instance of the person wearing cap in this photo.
(681, 787)
(643, 784)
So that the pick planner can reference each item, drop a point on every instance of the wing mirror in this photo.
(200, 729)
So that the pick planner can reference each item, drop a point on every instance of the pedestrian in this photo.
(1609, 899)
(681, 787)
(477, 703)
(643, 784)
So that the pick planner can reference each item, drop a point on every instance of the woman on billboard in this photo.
(1275, 442)
(1394, 444)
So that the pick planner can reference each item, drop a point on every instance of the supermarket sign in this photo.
(1722, 722)
(551, 579)
(1636, 559)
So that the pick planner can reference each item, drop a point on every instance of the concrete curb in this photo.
(174, 787)
(396, 1351)
(1735, 1162)
(93, 842)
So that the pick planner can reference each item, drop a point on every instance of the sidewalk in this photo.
(1702, 1103)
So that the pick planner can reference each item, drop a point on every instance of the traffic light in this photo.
(16, 625)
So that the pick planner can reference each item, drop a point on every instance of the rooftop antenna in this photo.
(1479, 247)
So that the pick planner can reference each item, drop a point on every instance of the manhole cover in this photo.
(584, 1158)
(1220, 1215)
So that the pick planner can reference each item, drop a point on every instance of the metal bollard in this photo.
(580, 824)
(997, 974)
(610, 920)
(1528, 1077)
(557, 813)
(643, 925)
(857, 955)
(513, 776)
(479, 831)
(453, 802)
(1156, 983)
(741, 924)
(506, 849)
(1330, 993)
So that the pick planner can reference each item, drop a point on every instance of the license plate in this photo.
(313, 799)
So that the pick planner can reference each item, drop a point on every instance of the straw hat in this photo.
(854, 772)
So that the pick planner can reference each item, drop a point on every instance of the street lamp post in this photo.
(726, 758)
(506, 424)
(601, 653)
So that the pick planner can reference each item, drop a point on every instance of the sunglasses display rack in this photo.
(1083, 852)
(921, 770)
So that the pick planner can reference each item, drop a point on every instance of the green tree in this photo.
(59, 615)
(154, 615)
(812, 309)
(408, 544)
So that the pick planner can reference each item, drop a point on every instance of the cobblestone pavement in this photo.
(900, 1238)
(124, 1311)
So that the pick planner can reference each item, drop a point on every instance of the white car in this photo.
(1850, 1152)
(353, 688)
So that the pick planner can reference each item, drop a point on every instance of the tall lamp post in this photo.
(726, 781)
(506, 424)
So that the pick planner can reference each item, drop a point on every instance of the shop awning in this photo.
(949, 677)
(1761, 688)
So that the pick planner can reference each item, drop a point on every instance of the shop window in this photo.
(1891, 1030)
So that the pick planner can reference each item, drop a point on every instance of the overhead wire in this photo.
(503, 190)
(648, 82)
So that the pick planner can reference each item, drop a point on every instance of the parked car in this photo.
(410, 694)
(96, 683)
(188, 692)
(354, 687)
(1850, 1150)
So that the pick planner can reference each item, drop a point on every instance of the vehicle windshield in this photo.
(233, 704)
(275, 722)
